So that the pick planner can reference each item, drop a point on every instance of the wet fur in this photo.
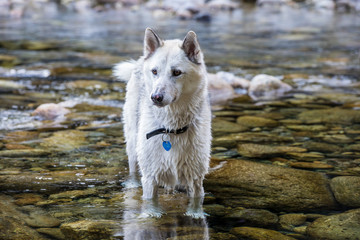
(185, 103)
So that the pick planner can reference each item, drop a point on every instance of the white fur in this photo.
(185, 103)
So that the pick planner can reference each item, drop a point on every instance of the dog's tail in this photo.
(123, 70)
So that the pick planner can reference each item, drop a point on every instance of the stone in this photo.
(39, 220)
(257, 150)
(65, 140)
(89, 229)
(346, 190)
(50, 111)
(222, 126)
(232, 140)
(27, 199)
(306, 128)
(12, 224)
(258, 234)
(321, 147)
(332, 116)
(290, 221)
(53, 233)
(250, 184)
(24, 153)
(220, 91)
(253, 121)
(74, 194)
(266, 87)
(87, 84)
(222, 236)
(254, 217)
(215, 210)
(336, 227)
(311, 165)
(308, 157)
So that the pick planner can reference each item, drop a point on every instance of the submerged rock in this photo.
(266, 87)
(258, 234)
(255, 217)
(253, 121)
(332, 116)
(257, 150)
(336, 227)
(89, 229)
(346, 190)
(290, 221)
(256, 185)
(65, 140)
(39, 220)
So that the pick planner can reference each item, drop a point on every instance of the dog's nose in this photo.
(157, 98)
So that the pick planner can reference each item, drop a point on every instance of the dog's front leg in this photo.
(150, 206)
(196, 194)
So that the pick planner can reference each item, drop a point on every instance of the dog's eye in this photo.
(154, 71)
(176, 73)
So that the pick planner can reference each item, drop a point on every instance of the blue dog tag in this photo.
(167, 145)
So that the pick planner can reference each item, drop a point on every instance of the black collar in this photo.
(164, 130)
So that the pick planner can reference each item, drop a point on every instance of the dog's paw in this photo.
(198, 214)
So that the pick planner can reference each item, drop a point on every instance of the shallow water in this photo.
(71, 168)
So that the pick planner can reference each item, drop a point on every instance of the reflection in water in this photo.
(169, 226)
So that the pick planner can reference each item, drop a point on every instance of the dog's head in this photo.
(172, 68)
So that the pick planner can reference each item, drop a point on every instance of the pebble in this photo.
(311, 165)
(289, 221)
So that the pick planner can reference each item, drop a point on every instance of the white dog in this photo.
(167, 119)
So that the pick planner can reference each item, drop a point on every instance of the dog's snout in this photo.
(157, 98)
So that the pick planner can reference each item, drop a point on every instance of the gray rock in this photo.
(346, 190)
(256, 185)
(336, 227)
(257, 217)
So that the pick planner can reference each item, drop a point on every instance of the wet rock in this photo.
(233, 80)
(337, 138)
(258, 234)
(27, 199)
(65, 140)
(53, 233)
(231, 140)
(87, 84)
(12, 225)
(16, 146)
(290, 221)
(89, 229)
(256, 185)
(222, 4)
(257, 150)
(75, 194)
(222, 126)
(308, 157)
(311, 165)
(222, 236)
(266, 87)
(332, 116)
(220, 91)
(353, 147)
(321, 147)
(11, 85)
(20, 136)
(39, 220)
(310, 128)
(24, 153)
(252, 121)
(336, 227)
(255, 217)
(215, 210)
(346, 190)
(50, 111)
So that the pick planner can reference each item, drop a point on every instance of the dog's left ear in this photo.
(151, 42)
(191, 47)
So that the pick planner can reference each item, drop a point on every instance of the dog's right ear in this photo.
(151, 42)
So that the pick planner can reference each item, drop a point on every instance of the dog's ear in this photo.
(151, 42)
(191, 47)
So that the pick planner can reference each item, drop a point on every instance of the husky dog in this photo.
(167, 119)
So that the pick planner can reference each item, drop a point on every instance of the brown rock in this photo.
(256, 185)
(253, 121)
(346, 190)
(311, 165)
(257, 150)
(89, 229)
(258, 234)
